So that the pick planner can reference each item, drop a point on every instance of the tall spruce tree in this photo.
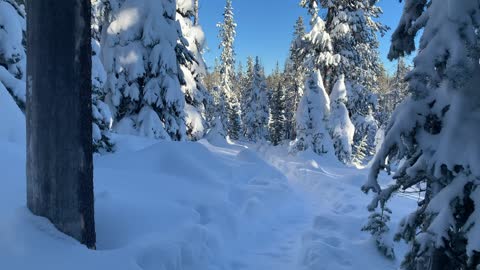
(192, 69)
(227, 72)
(294, 78)
(353, 29)
(257, 106)
(434, 131)
(102, 117)
(245, 93)
(277, 114)
(314, 107)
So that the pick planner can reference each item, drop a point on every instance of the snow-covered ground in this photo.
(198, 206)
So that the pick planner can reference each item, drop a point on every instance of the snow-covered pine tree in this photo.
(353, 29)
(257, 106)
(314, 107)
(340, 126)
(275, 77)
(294, 79)
(245, 93)
(277, 115)
(316, 48)
(311, 117)
(227, 72)
(12, 50)
(193, 69)
(434, 130)
(101, 115)
(360, 151)
(366, 126)
(234, 123)
(140, 42)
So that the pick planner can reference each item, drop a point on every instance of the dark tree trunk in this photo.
(59, 116)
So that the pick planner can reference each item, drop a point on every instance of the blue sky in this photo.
(265, 28)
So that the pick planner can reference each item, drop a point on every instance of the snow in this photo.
(184, 205)
(12, 128)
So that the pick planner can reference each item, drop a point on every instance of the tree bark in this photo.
(59, 116)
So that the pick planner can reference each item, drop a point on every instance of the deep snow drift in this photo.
(194, 206)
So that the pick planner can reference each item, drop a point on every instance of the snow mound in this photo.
(166, 205)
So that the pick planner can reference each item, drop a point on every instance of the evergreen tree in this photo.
(316, 48)
(257, 106)
(101, 115)
(353, 29)
(311, 118)
(245, 92)
(192, 69)
(277, 115)
(366, 126)
(12, 50)
(294, 79)
(227, 72)
(341, 128)
(314, 107)
(275, 77)
(143, 76)
(434, 131)
(360, 151)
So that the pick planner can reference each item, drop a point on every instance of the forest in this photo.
(132, 139)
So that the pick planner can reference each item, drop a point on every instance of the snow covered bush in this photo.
(435, 131)
(12, 51)
(341, 128)
(312, 116)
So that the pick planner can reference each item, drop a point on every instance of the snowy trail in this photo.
(329, 235)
